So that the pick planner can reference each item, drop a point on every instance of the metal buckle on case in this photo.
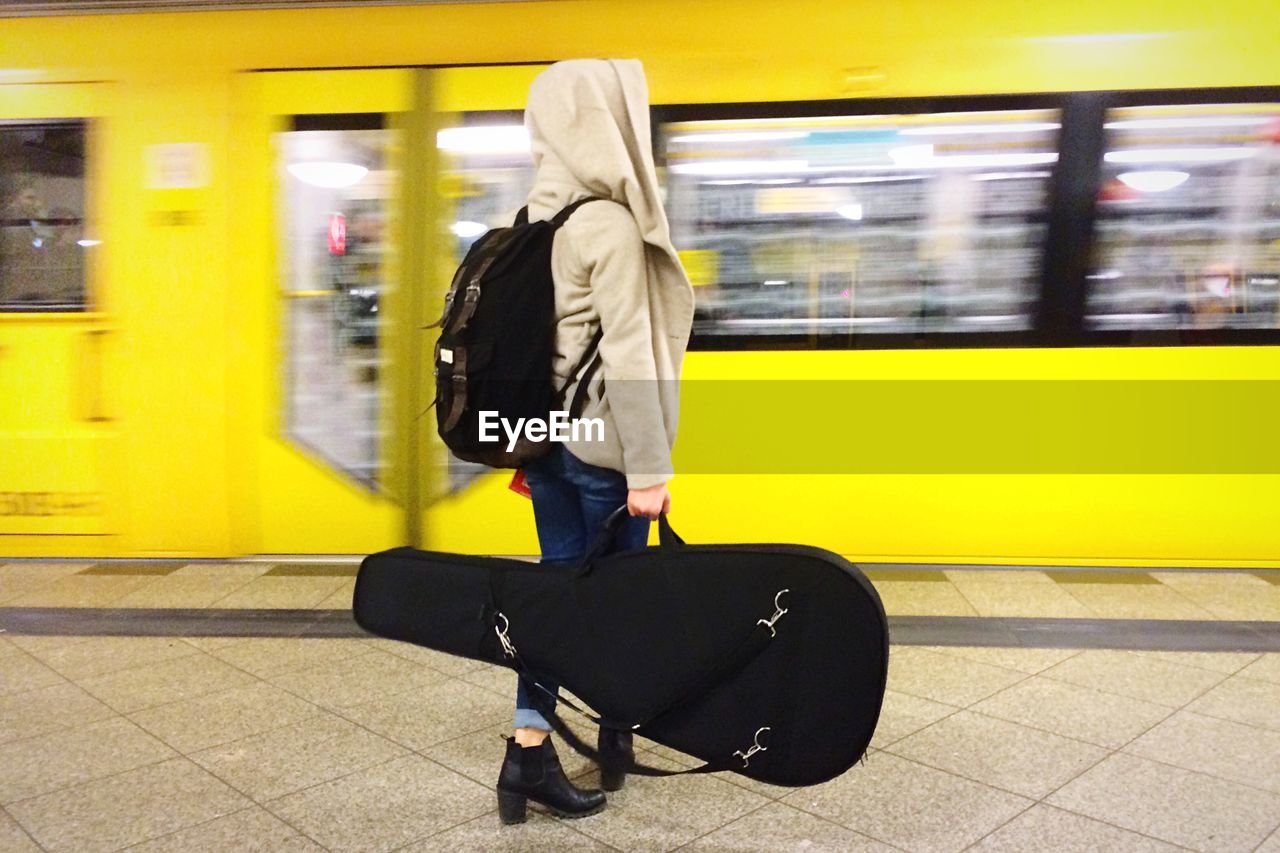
(778, 611)
(755, 747)
(507, 649)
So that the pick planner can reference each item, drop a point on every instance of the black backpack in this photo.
(496, 344)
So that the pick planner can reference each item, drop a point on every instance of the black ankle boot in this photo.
(534, 773)
(616, 751)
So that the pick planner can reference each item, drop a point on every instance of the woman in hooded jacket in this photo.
(616, 271)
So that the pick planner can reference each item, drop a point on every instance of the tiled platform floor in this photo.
(256, 743)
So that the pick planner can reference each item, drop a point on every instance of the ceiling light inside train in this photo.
(484, 139)
(466, 229)
(969, 129)
(850, 211)
(328, 174)
(1180, 155)
(1186, 122)
(1154, 180)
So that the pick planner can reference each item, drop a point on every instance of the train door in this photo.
(323, 370)
(59, 442)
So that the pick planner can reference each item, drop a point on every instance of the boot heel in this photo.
(611, 779)
(512, 807)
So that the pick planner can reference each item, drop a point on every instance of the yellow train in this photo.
(984, 282)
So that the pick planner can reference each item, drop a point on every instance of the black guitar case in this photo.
(766, 660)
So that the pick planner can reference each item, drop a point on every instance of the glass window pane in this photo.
(1188, 228)
(862, 224)
(43, 240)
(336, 187)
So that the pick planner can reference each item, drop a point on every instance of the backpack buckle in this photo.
(754, 748)
(778, 612)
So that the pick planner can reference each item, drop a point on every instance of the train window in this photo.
(43, 240)
(1188, 222)
(877, 224)
(335, 190)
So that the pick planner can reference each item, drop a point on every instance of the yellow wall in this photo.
(190, 464)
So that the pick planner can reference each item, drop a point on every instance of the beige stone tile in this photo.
(910, 806)
(13, 838)
(425, 716)
(385, 806)
(999, 753)
(946, 678)
(1044, 829)
(780, 827)
(1232, 751)
(18, 585)
(1244, 700)
(495, 679)
(663, 813)
(1139, 677)
(53, 569)
(356, 680)
(82, 591)
(903, 714)
(182, 591)
(139, 805)
(47, 709)
(1243, 603)
(252, 830)
(654, 754)
(33, 644)
(962, 577)
(171, 681)
(914, 598)
(267, 656)
(248, 571)
(296, 756)
(1192, 809)
(340, 598)
(1105, 719)
(478, 755)
(1265, 668)
(20, 672)
(1023, 599)
(222, 717)
(1135, 601)
(282, 592)
(110, 654)
(1211, 579)
(38, 765)
(539, 833)
(451, 665)
(1029, 661)
(1227, 663)
(1271, 845)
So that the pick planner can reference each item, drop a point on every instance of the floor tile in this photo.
(1238, 603)
(478, 755)
(384, 807)
(1244, 700)
(152, 568)
(1105, 719)
(339, 599)
(1099, 577)
(495, 679)
(878, 576)
(1175, 805)
(1117, 601)
(1271, 845)
(38, 765)
(111, 654)
(910, 806)
(915, 598)
(903, 714)
(945, 678)
(18, 585)
(35, 644)
(1211, 579)
(171, 681)
(426, 716)
(451, 665)
(661, 814)
(182, 591)
(223, 717)
(281, 592)
(1227, 663)
(52, 568)
(356, 680)
(1029, 661)
(1139, 677)
(1238, 753)
(999, 753)
(13, 838)
(20, 671)
(1044, 829)
(781, 827)
(961, 577)
(1021, 599)
(252, 830)
(248, 571)
(266, 656)
(47, 709)
(296, 756)
(136, 806)
(314, 570)
(81, 591)
(537, 834)
(1265, 668)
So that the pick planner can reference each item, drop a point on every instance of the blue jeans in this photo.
(571, 500)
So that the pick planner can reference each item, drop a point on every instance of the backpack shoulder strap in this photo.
(522, 218)
(563, 216)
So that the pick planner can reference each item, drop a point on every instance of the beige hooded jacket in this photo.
(612, 262)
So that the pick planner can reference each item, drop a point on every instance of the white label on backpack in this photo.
(446, 355)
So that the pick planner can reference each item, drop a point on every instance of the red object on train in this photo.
(337, 234)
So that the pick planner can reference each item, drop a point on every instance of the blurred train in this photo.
(985, 282)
